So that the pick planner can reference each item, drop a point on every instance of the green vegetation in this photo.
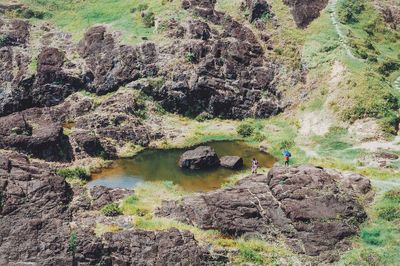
(111, 209)
(72, 243)
(73, 173)
(190, 57)
(349, 10)
(379, 240)
(134, 18)
(337, 143)
(101, 229)
(245, 129)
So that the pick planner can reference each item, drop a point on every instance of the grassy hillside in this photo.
(75, 16)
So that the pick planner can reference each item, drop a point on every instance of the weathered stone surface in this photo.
(37, 224)
(314, 209)
(225, 74)
(102, 195)
(232, 162)
(256, 9)
(305, 11)
(32, 134)
(88, 142)
(33, 213)
(202, 157)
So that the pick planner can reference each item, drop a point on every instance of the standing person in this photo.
(287, 156)
(254, 166)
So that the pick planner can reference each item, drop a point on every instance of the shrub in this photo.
(148, 19)
(190, 57)
(72, 243)
(203, 117)
(387, 67)
(29, 13)
(74, 173)
(393, 195)
(286, 144)
(111, 209)
(3, 40)
(140, 7)
(349, 10)
(371, 236)
(249, 255)
(389, 213)
(245, 130)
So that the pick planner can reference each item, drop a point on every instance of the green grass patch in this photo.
(134, 18)
(379, 240)
(78, 175)
(111, 210)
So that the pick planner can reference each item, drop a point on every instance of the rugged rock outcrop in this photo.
(314, 209)
(35, 135)
(305, 11)
(102, 195)
(37, 224)
(33, 213)
(219, 70)
(232, 162)
(137, 247)
(256, 9)
(202, 157)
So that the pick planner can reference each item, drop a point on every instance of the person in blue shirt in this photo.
(287, 156)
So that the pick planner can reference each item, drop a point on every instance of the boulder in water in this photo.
(202, 157)
(232, 162)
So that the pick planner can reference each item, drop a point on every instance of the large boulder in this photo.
(202, 157)
(256, 9)
(35, 135)
(232, 162)
(305, 11)
(102, 196)
(315, 210)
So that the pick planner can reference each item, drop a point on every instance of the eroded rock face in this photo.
(256, 9)
(37, 224)
(305, 11)
(222, 72)
(202, 157)
(232, 162)
(30, 133)
(315, 210)
(33, 213)
(102, 196)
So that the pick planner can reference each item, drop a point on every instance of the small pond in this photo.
(161, 165)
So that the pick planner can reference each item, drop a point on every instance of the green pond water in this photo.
(161, 165)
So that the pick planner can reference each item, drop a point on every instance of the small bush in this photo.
(372, 236)
(349, 10)
(249, 255)
(3, 40)
(393, 195)
(74, 173)
(203, 117)
(111, 209)
(389, 213)
(148, 19)
(387, 67)
(190, 57)
(140, 7)
(72, 243)
(245, 130)
(29, 13)
(286, 144)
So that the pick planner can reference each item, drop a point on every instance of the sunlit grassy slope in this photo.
(75, 16)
